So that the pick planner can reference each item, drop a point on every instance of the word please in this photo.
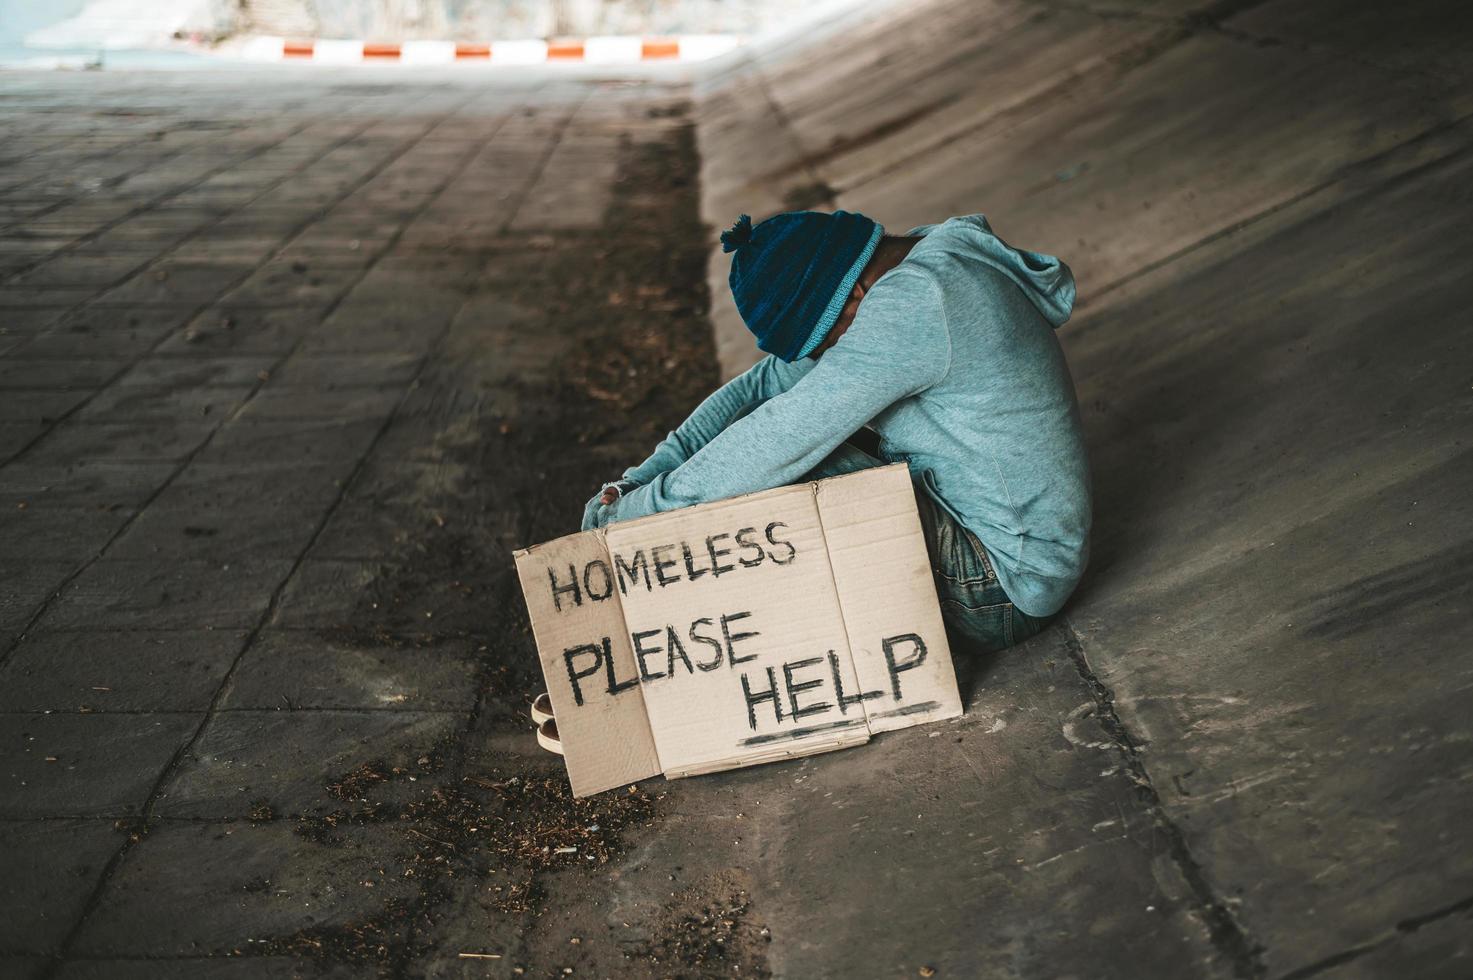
(661, 653)
(663, 564)
(588, 659)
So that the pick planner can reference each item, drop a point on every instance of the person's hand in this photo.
(593, 512)
(614, 491)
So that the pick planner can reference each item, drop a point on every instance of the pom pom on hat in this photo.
(738, 235)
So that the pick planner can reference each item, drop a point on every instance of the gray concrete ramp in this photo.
(1266, 668)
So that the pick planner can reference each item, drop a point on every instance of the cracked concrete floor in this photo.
(289, 367)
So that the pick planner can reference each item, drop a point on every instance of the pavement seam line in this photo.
(1227, 934)
(59, 955)
(1403, 928)
(455, 764)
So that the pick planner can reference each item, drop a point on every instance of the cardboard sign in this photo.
(783, 623)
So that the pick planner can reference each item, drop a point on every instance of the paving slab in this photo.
(86, 764)
(40, 406)
(243, 330)
(390, 505)
(316, 252)
(377, 323)
(149, 670)
(72, 269)
(95, 331)
(310, 369)
(329, 593)
(269, 442)
(213, 243)
(16, 319)
(155, 403)
(116, 594)
(284, 758)
(49, 296)
(198, 372)
(292, 283)
(31, 372)
(51, 534)
(43, 896)
(234, 511)
(309, 669)
(687, 870)
(23, 967)
(15, 436)
(192, 889)
(82, 483)
(25, 586)
(178, 281)
(352, 403)
(156, 441)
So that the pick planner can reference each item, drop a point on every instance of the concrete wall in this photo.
(1265, 204)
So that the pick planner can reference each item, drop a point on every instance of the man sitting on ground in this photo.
(935, 348)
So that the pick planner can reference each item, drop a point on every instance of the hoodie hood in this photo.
(1045, 280)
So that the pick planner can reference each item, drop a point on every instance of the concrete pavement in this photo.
(290, 362)
(1263, 203)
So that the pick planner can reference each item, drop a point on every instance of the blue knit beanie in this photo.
(792, 274)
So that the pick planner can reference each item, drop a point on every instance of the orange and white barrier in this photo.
(607, 50)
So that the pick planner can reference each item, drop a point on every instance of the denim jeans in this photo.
(978, 614)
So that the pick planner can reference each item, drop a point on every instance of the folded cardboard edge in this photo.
(582, 785)
(859, 736)
(950, 705)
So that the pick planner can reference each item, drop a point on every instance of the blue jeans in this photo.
(978, 613)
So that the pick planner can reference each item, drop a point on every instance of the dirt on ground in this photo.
(633, 355)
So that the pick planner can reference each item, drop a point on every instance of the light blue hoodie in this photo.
(952, 359)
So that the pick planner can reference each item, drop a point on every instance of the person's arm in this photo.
(897, 346)
(767, 378)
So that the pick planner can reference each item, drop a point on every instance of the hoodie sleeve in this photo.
(897, 346)
(766, 379)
